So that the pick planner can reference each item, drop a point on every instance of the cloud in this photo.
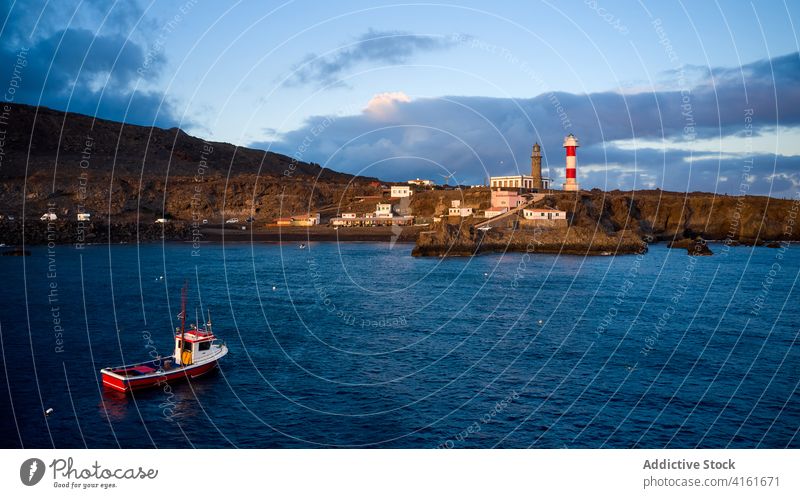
(479, 136)
(377, 47)
(84, 70)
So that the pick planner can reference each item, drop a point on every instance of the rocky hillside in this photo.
(119, 171)
(617, 222)
(677, 215)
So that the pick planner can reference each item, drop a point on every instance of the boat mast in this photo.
(183, 317)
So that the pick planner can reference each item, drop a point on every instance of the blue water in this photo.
(360, 344)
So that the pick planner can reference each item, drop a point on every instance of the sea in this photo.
(362, 345)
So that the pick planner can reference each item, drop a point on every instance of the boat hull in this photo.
(123, 384)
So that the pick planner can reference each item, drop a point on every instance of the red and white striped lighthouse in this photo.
(571, 143)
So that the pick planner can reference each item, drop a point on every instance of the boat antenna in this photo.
(208, 326)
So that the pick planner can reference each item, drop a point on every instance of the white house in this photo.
(494, 211)
(383, 210)
(49, 217)
(348, 216)
(84, 216)
(544, 214)
(401, 191)
(161, 220)
(421, 183)
(457, 210)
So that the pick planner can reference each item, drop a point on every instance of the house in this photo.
(457, 210)
(305, 220)
(506, 198)
(421, 183)
(84, 216)
(494, 211)
(161, 220)
(49, 217)
(383, 210)
(544, 216)
(401, 191)
(284, 222)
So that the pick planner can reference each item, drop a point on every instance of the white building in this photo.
(49, 217)
(84, 216)
(457, 210)
(494, 211)
(544, 214)
(401, 191)
(347, 216)
(383, 210)
(421, 183)
(516, 181)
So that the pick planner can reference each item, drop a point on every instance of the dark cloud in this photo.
(79, 69)
(384, 47)
(478, 136)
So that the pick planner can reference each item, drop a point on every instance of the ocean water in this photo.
(361, 345)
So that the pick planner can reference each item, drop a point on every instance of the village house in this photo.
(299, 220)
(421, 183)
(494, 211)
(457, 210)
(383, 210)
(507, 199)
(544, 216)
(401, 191)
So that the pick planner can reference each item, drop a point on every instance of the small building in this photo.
(161, 220)
(284, 222)
(305, 220)
(457, 210)
(49, 217)
(494, 211)
(544, 217)
(383, 210)
(544, 214)
(401, 191)
(348, 215)
(506, 198)
(84, 216)
(421, 183)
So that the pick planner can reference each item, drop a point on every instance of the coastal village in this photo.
(514, 202)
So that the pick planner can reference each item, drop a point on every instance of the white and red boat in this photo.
(197, 351)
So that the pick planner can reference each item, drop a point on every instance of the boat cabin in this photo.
(194, 345)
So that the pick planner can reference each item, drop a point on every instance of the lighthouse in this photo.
(536, 166)
(571, 143)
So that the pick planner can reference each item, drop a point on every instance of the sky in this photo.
(675, 95)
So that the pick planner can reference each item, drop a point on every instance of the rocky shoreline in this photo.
(15, 233)
(462, 240)
(35, 232)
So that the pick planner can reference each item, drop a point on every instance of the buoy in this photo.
(541, 322)
(274, 288)
(48, 412)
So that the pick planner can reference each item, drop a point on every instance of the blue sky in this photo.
(676, 95)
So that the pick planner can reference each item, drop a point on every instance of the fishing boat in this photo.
(197, 351)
